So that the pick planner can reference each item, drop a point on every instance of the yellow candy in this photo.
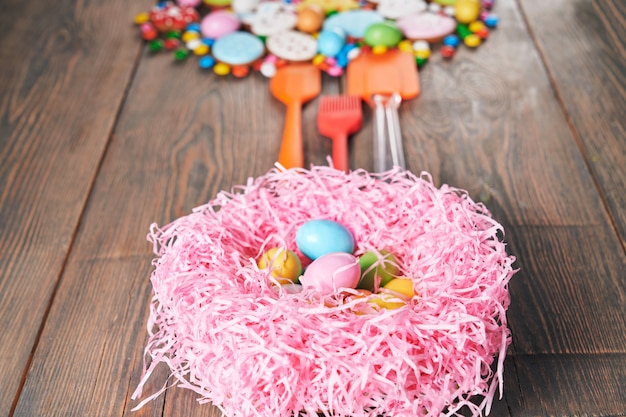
(190, 35)
(142, 18)
(201, 50)
(318, 59)
(476, 26)
(221, 69)
(466, 11)
(400, 287)
(379, 49)
(472, 41)
(423, 53)
(405, 46)
(285, 264)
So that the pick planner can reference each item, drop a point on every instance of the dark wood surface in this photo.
(99, 138)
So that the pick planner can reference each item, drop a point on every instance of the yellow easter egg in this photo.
(388, 301)
(285, 264)
(401, 287)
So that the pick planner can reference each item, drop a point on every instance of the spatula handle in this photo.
(380, 134)
(291, 154)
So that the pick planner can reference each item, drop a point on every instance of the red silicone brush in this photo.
(337, 118)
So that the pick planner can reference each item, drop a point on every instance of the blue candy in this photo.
(491, 21)
(206, 62)
(451, 40)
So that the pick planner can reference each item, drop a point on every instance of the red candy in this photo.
(173, 18)
(447, 51)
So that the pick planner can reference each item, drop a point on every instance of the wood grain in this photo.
(65, 68)
(176, 144)
(583, 46)
(568, 385)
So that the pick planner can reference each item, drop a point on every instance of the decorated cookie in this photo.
(219, 23)
(244, 6)
(292, 45)
(238, 48)
(394, 9)
(426, 26)
(272, 17)
(353, 22)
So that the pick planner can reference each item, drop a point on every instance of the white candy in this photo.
(449, 10)
(192, 44)
(421, 46)
(354, 52)
(434, 7)
(268, 69)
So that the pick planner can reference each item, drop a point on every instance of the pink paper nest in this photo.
(228, 332)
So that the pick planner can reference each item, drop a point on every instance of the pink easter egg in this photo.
(219, 23)
(189, 3)
(330, 272)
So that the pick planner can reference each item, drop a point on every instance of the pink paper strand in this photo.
(228, 333)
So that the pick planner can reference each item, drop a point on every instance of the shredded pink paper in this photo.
(228, 332)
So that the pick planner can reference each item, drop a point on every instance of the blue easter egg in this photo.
(319, 237)
(330, 42)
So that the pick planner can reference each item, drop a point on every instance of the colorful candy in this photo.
(377, 269)
(328, 33)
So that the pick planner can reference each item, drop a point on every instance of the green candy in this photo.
(181, 54)
(386, 270)
(420, 61)
(156, 45)
(383, 34)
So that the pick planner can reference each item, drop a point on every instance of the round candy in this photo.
(426, 26)
(353, 22)
(292, 45)
(238, 48)
(219, 23)
(383, 34)
(319, 237)
(377, 271)
(451, 40)
(491, 21)
(467, 11)
(394, 9)
(284, 264)
(331, 272)
(330, 42)
(310, 19)
(472, 40)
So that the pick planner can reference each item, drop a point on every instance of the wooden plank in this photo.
(65, 68)
(569, 385)
(583, 44)
(569, 295)
(178, 141)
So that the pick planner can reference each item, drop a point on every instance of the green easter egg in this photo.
(383, 34)
(386, 270)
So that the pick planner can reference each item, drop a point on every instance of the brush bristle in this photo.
(339, 103)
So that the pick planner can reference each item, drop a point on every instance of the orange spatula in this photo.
(337, 118)
(294, 85)
(383, 80)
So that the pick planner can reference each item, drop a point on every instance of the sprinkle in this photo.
(227, 332)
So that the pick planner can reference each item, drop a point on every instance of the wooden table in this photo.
(99, 138)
